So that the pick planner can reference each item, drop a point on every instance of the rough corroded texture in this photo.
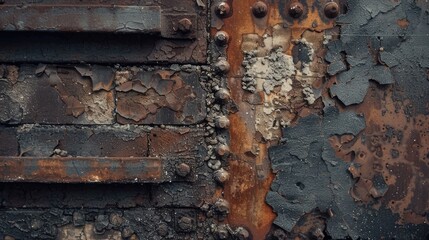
(81, 169)
(68, 96)
(276, 71)
(311, 114)
(365, 172)
(160, 97)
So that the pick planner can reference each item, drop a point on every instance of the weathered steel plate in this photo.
(84, 94)
(127, 19)
(42, 32)
(81, 169)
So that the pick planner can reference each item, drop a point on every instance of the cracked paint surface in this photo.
(363, 179)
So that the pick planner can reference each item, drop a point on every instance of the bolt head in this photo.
(223, 9)
(222, 66)
(222, 95)
(296, 10)
(222, 122)
(185, 25)
(259, 9)
(221, 38)
(223, 150)
(222, 232)
(221, 175)
(331, 10)
(242, 233)
(183, 169)
(222, 206)
(185, 223)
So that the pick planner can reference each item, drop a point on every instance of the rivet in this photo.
(221, 38)
(222, 206)
(223, 9)
(185, 25)
(183, 169)
(222, 122)
(259, 9)
(222, 232)
(222, 94)
(222, 66)
(223, 150)
(331, 9)
(221, 175)
(127, 232)
(185, 223)
(242, 233)
(296, 10)
(162, 230)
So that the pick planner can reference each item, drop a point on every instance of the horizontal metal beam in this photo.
(81, 169)
(81, 18)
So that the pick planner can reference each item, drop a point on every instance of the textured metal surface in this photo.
(93, 31)
(81, 169)
(84, 94)
(300, 119)
(121, 19)
(299, 76)
(90, 18)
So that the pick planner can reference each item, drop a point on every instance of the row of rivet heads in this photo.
(295, 9)
(222, 95)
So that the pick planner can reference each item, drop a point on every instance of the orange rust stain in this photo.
(246, 190)
(403, 23)
(389, 130)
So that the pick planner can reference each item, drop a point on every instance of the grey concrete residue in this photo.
(272, 70)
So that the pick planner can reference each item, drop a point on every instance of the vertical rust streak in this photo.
(251, 175)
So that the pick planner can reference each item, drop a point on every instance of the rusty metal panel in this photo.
(329, 95)
(157, 32)
(84, 94)
(70, 95)
(300, 119)
(85, 141)
(81, 169)
(160, 97)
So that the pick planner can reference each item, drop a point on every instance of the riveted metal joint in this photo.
(183, 169)
(223, 9)
(223, 150)
(221, 175)
(221, 38)
(185, 25)
(242, 234)
(296, 10)
(222, 95)
(222, 232)
(222, 206)
(185, 224)
(331, 10)
(259, 9)
(222, 122)
(222, 66)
